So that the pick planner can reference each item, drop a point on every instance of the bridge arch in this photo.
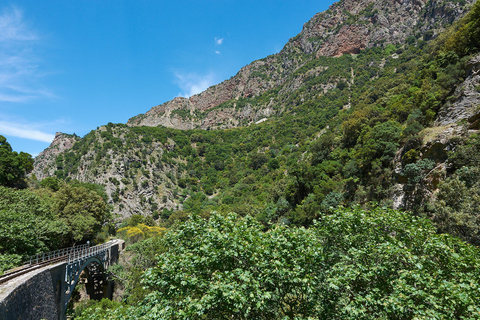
(91, 284)
(44, 292)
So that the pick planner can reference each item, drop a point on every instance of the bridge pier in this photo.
(97, 284)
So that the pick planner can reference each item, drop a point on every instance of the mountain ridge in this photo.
(345, 28)
(274, 113)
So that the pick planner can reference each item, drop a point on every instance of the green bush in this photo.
(13, 166)
(378, 264)
(28, 226)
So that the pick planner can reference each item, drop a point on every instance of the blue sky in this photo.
(72, 66)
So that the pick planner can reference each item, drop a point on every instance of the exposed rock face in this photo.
(351, 39)
(346, 28)
(350, 26)
(44, 162)
(244, 84)
(437, 144)
(137, 183)
(467, 99)
(118, 169)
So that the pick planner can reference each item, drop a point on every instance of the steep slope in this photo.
(346, 28)
(44, 162)
(341, 128)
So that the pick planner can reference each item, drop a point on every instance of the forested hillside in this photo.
(394, 124)
(374, 107)
(43, 216)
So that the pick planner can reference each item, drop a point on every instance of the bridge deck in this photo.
(42, 290)
(9, 286)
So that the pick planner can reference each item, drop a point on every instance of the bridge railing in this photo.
(88, 252)
(41, 257)
(73, 253)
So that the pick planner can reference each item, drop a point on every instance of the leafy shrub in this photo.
(27, 226)
(139, 232)
(50, 182)
(378, 264)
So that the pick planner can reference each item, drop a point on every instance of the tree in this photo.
(416, 187)
(257, 160)
(129, 271)
(83, 210)
(380, 142)
(27, 226)
(386, 264)
(353, 264)
(457, 203)
(13, 166)
(227, 267)
(50, 182)
(465, 40)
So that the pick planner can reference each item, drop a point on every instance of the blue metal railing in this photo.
(41, 257)
(88, 252)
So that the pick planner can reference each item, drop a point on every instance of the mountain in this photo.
(374, 101)
(346, 28)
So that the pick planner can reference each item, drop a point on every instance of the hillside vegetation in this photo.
(48, 215)
(373, 137)
(352, 133)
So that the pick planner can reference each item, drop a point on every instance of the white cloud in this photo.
(13, 98)
(192, 83)
(26, 131)
(13, 26)
(217, 52)
(19, 66)
(218, 41)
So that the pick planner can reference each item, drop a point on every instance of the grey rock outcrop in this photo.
(45, 162)
(466, 104)
(347, 27)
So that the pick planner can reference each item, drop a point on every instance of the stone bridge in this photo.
(44, 292)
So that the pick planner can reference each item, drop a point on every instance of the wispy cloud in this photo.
(26, 131)
(193, 83)
(19, 66)
(218, 42)
(13, 26)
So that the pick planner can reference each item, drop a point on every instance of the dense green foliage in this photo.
(13, 166)
(321, 148)
(82, 210)
(464, 39)
(101, 310)
(458, 200)
(27, 226)
(54, 216)
(294, 167)
(351, 133)
(229, 268)
(128, 273)
(39, 220)
(353, 264)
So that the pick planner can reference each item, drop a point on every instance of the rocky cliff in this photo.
(330, 67)
(45, 161)
(465, 102)
(347, 27)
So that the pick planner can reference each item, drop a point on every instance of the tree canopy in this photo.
(27, 226)
(353, 264)
(83, 210)
(13, 166)
(40, 220)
